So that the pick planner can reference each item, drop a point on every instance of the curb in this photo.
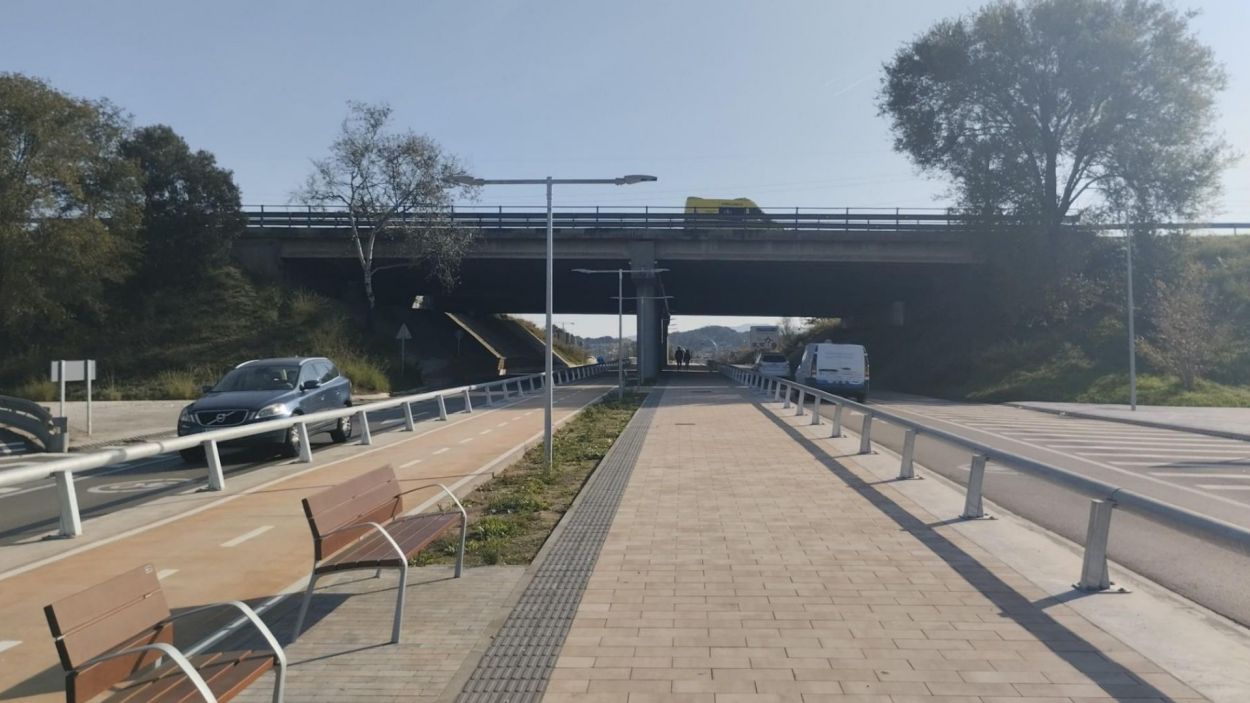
(1140, 423)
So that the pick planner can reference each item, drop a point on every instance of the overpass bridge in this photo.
(864, 264)
(800, 261)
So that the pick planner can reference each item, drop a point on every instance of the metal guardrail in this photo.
(1105, 496)
(646, 217)
(660, 218)
(35, 420)
(63, 470)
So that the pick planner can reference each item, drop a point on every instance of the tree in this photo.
(69, 206)
(395, 187)
(1189, 337)
(1037, 107)
(191, 207)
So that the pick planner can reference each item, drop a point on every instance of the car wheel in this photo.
(290, 446)
(342, 431)
(194, 455)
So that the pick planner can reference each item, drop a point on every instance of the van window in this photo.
(772, 358)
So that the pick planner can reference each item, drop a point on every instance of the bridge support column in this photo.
(650, 325)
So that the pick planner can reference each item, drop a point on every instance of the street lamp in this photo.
(620, 319)
(466, 180)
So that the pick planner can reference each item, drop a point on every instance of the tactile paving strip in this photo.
(518, 663)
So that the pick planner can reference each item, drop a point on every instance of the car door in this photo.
(310, 400)
(336, 387)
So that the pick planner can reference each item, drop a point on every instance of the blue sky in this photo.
(721, 98)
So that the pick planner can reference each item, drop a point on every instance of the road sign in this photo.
(403, 335)
(76, 370)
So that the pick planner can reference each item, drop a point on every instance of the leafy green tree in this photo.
(1189, 338)
(1041, 107)
(191, 208)
(396, 187)
(69, 208)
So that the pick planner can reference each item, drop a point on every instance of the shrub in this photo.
(38, 390)
(176, 385)
(492, 527)
(365, 375)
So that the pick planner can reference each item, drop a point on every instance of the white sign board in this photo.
(403, 332)
(75, 370)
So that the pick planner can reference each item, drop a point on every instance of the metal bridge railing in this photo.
(1105, 496)
(63, 470)
(33, 419)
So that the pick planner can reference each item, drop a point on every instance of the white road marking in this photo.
(247, 535)
(1160, 450)
(1165, 455)
(8, 644)
(1183, 474)
(485, 432)
(466, 440)
(1026, 442)
(165, 573)
(9, 489)
(502, 424)
(1223, 487)
(414, 462)
(444, 449)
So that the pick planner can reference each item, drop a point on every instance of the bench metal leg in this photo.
(303, 607)
(399, 601)
(464, 533)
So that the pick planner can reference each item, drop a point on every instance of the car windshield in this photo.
(772, 358)
(268, 377)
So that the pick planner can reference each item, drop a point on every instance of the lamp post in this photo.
(1132, 337)
(549, 391)
(620, 319)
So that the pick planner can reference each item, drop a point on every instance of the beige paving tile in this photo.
(749, 566)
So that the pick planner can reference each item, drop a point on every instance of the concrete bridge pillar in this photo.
(647, 289)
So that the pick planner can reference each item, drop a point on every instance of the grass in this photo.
(1166, 390)
(511, 516)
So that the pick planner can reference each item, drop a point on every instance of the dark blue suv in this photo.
(270, 389)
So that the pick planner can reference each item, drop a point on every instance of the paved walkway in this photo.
(744, 565)
(254, 544)
(1216, 420)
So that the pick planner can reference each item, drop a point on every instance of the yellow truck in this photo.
(721, 206)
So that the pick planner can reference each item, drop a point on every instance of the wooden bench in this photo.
(360, 524)
(117, 638)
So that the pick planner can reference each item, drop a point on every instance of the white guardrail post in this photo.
(786, 392)
(865, 435)
(409, 425)
(1094, 573)
(776, 389)
(468, 402)
(798, 408)
(973, 510)
(366, 436)
(216, 477)
(907, 468)
(490, 400)
(815, 410)
(837, 420)
(305, 443)
(71, 521)
(442, 409)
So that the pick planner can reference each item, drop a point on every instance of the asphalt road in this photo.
(29, 512)
(1204, 474)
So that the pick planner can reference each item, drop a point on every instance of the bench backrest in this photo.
(373, 496)
(125, 611)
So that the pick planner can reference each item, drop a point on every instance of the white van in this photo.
(771, 363)
(838, 368)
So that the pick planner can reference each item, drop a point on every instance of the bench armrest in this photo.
(248, 613)
(446, 490)
(385, 535)
(168, 650)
